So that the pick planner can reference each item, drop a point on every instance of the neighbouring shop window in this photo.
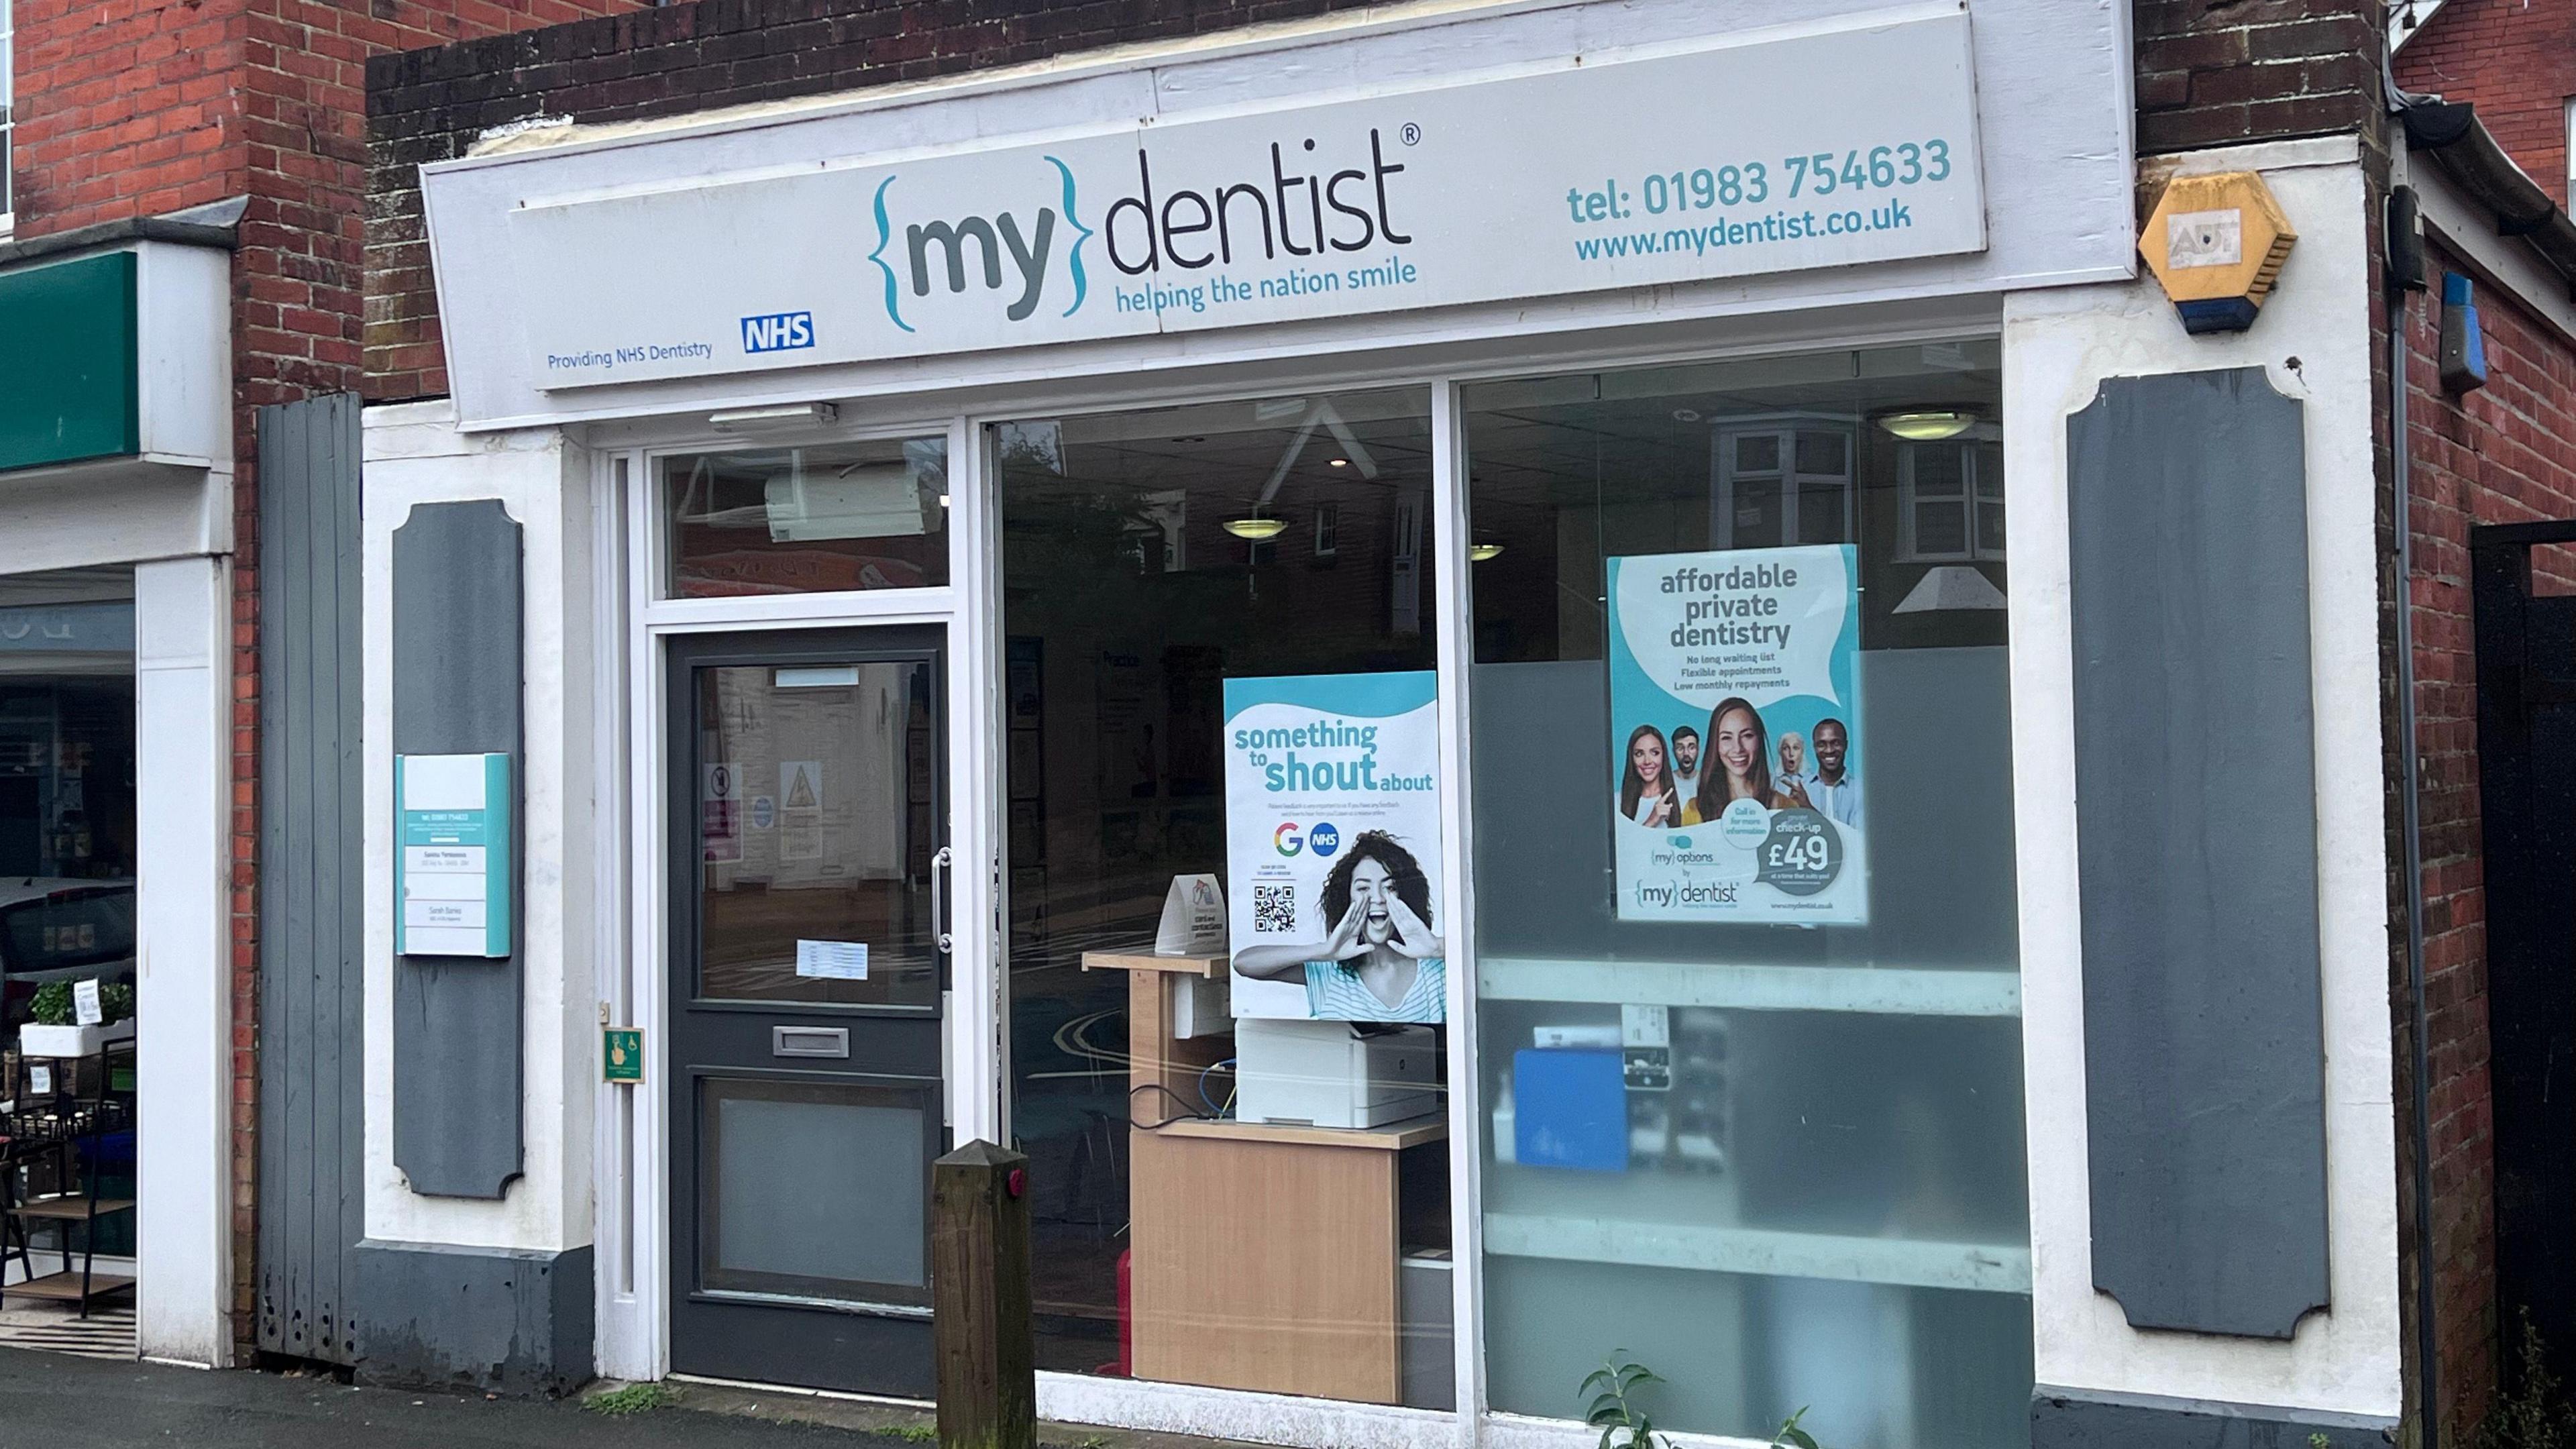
(1950, 499)
(67, 842)
(1747, 973)
(1184, 589)
(794, 520)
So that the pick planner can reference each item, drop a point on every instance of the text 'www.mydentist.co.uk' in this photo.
(1777, 227)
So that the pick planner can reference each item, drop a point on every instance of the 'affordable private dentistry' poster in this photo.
(1736, 762)
(1332, 805)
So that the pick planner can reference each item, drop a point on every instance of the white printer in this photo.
(1334, 1073)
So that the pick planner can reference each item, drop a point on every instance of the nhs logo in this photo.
(778, 332)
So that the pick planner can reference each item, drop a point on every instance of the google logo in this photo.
(1287, 840)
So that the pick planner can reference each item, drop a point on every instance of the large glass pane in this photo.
(1990, 500)
(815, 833)
(801, 520)
(1825, 454)
(1751, 1059)
(1153, 561)
(1822, 511)
(1760, 512)
(1941, 528)
(785, 1165)
(68, 844)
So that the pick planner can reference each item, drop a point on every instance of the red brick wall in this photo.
(2215, 72)
(131, 108)
(2516, 62)
(2503, 454)
(431, 105)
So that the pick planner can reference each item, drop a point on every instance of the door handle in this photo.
(939, 860)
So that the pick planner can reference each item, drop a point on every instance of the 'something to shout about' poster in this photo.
(1736, 758)
(1332, 806)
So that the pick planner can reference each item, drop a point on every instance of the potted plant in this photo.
(54, 1032)
(1622, 1419)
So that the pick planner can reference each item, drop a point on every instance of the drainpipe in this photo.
(2410, 784)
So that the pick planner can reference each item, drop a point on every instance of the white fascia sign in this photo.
(1825, 148)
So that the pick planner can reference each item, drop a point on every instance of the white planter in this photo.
(70, 1041)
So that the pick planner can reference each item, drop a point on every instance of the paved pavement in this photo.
(55, 1401)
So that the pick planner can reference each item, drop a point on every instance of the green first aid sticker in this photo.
(621, 1054)
(453, 873)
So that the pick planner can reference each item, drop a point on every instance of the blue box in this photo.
(1570, 1108)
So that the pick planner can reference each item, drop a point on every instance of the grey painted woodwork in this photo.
(312, 1138)
(457, 1021)
(489, 1320)
(2195, 769)
(2063, 1419)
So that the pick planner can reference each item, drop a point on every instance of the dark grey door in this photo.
(808, 820)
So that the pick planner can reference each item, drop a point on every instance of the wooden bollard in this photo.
(982, 1321)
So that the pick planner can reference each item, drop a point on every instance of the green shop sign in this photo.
(67, 362)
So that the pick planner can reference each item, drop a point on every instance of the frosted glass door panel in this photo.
(815, 1191)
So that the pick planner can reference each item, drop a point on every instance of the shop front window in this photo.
(1747, 975)
(795, 520)
(68, 858)
(1219, 706)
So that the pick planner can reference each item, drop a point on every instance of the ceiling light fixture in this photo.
(1927, 425)
(1483, 550)
(1255, 528)
(1340, 463)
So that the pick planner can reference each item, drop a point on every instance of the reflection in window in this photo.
(1779, 1161)
(1783, 482)
(1951, 500)
(1148, 558)
(796, 520)
(815, 823)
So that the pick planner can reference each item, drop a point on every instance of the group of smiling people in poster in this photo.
(1672, 780)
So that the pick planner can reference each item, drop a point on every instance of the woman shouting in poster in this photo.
(1380, 962)
(1646, 792)
(1742, 749)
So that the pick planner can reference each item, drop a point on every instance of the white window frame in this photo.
(1972, 501)
(632, 1144)
(1727, 431)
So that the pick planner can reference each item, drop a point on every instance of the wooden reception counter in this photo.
(1264, 1257)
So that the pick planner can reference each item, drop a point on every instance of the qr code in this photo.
(1274, 909)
